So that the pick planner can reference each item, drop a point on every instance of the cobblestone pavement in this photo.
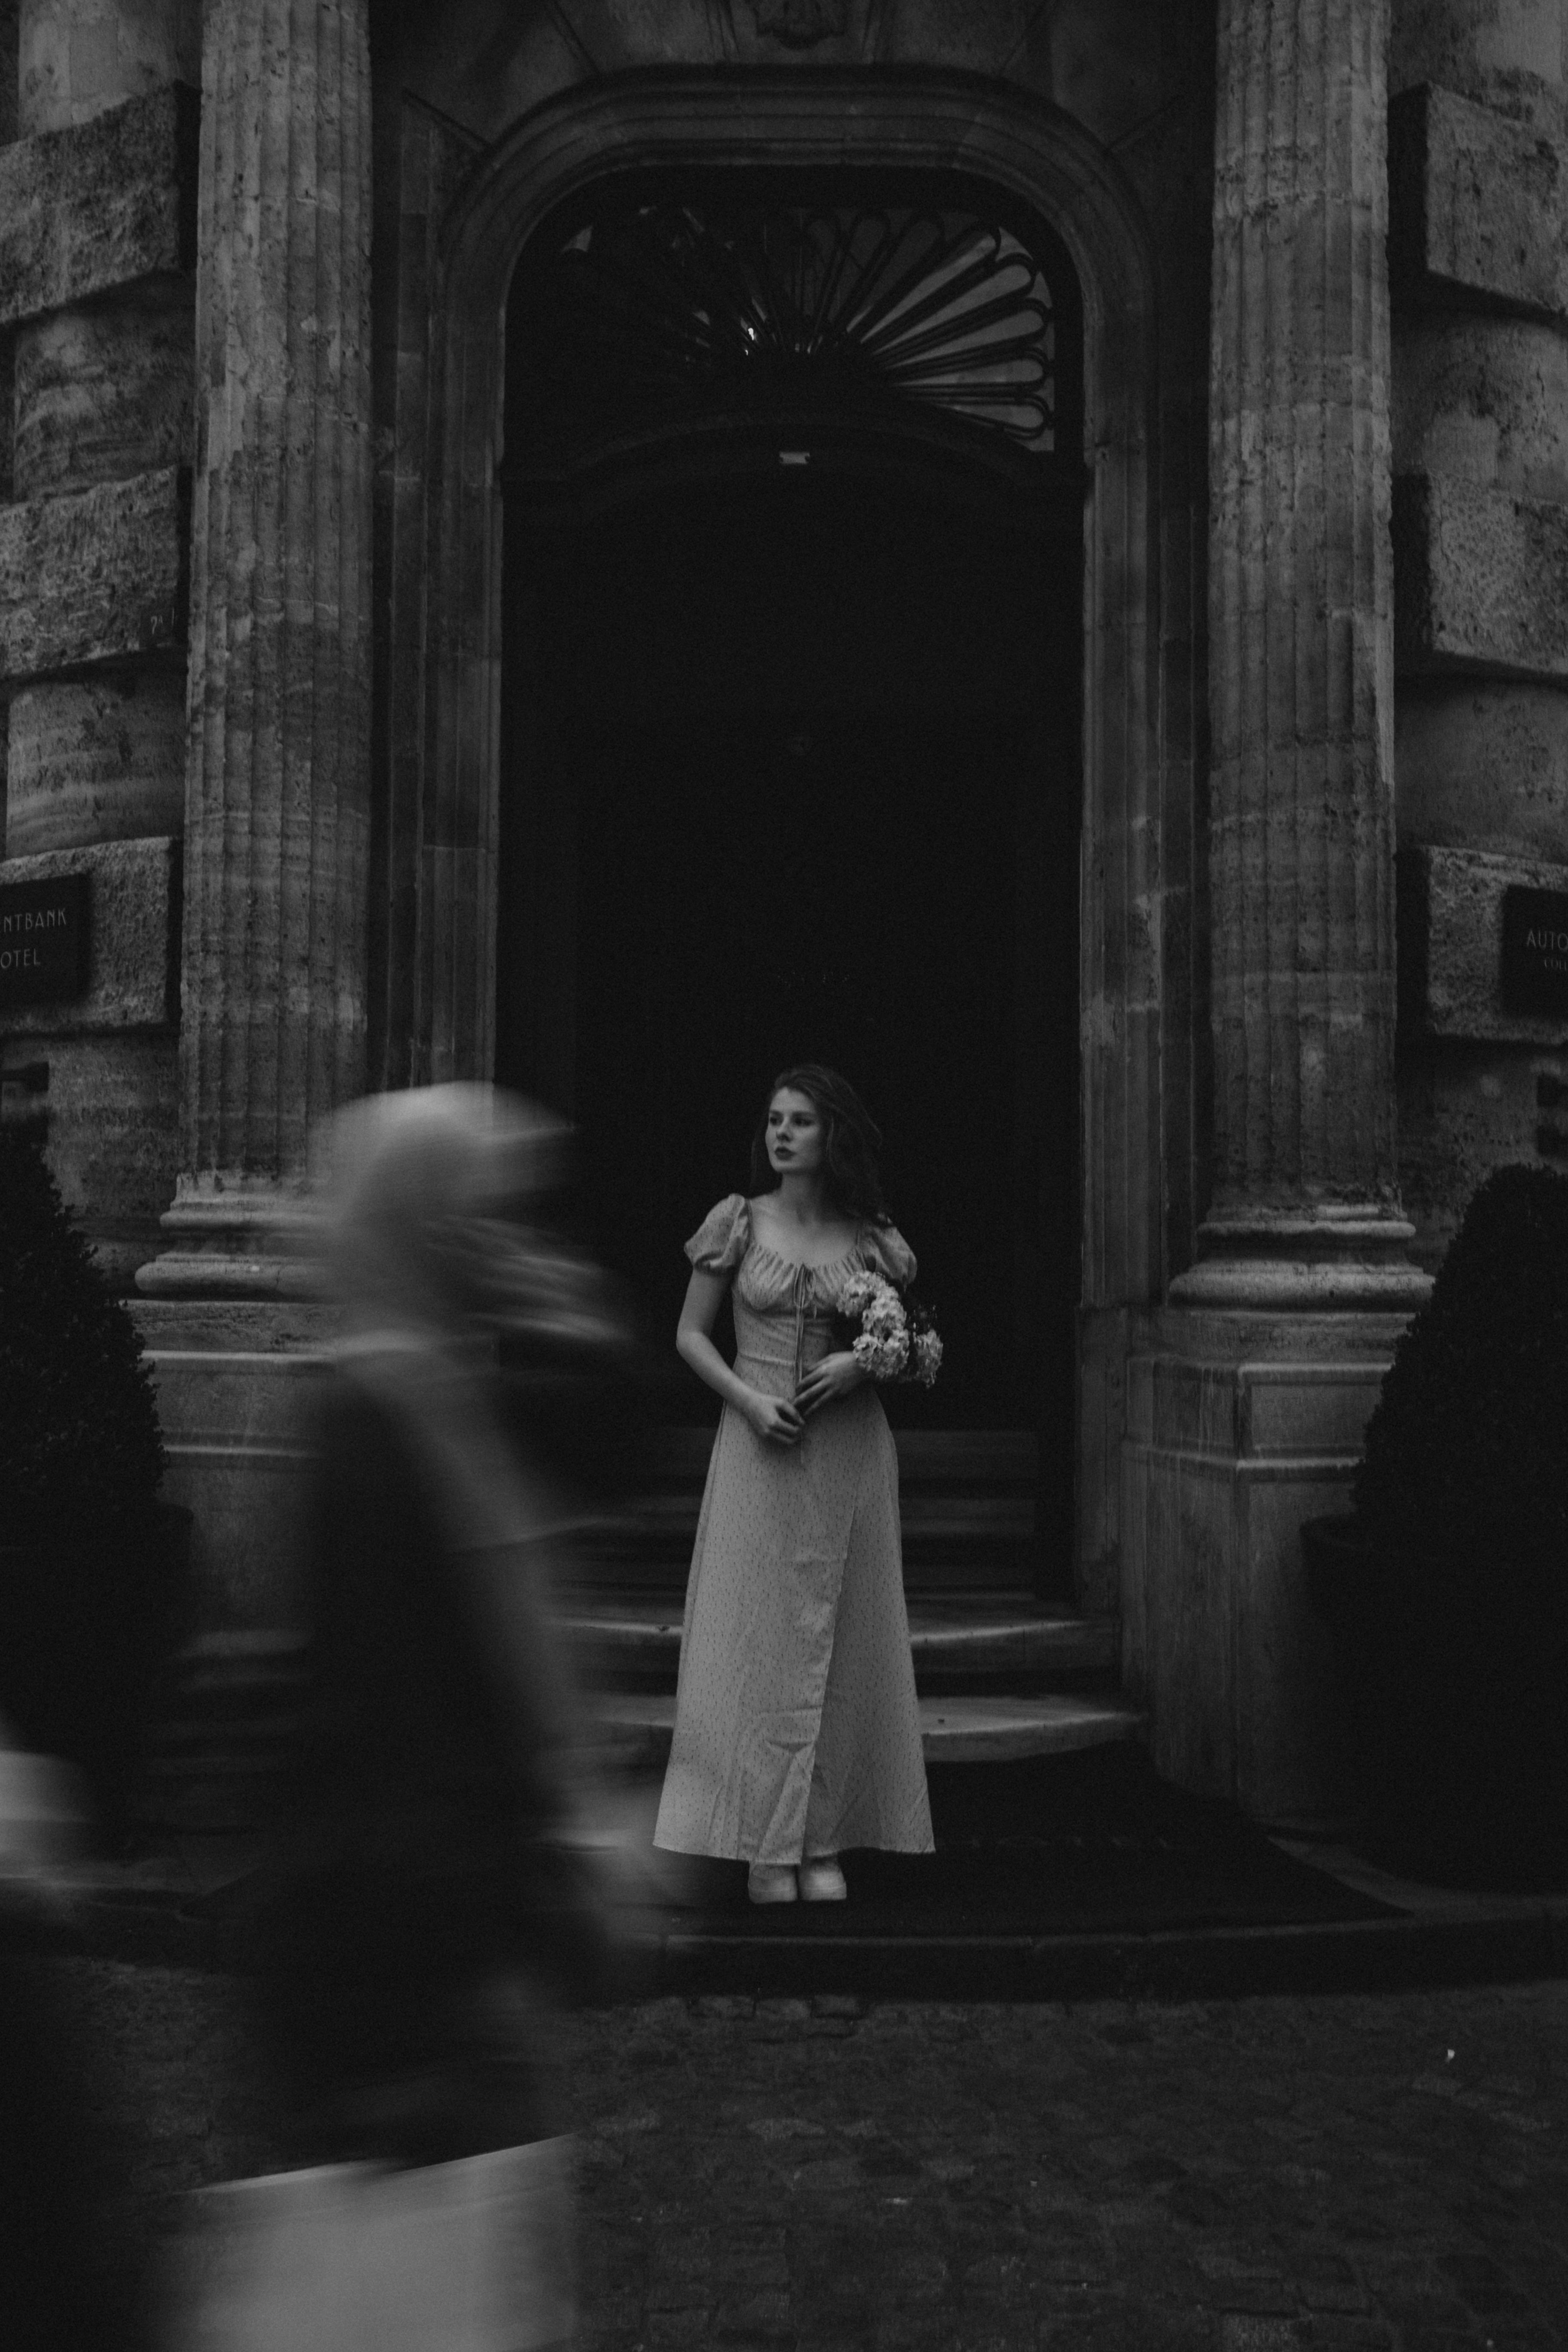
(1251, 2176)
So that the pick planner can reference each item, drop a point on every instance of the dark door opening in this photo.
(792, 770)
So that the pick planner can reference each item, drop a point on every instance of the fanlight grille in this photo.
(662, 308)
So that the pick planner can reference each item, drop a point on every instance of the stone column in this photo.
(278, 774)
(1301, 841)
(1248, 1392)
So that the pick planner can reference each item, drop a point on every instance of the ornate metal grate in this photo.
(658, 311)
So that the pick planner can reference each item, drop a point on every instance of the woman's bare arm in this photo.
(773, 1417)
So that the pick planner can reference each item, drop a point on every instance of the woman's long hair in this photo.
(850, 1143)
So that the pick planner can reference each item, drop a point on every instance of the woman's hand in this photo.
(775, 1418)
(833, 1377)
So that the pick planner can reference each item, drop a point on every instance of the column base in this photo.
(1342, 1258)
(238, 1394)
(245, 1240)
(1238, 1428)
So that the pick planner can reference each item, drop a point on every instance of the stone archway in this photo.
(447, 641)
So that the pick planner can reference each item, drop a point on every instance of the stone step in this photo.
(957, 1540)
(207, 1796)
(256, 1733)
(964, 1730)
(947, 1457)
(213, 1759)
(936, 1571)
(966, 1503)
(245, 1649)
(223, 1667)
(633, 1638)
(926, 1517)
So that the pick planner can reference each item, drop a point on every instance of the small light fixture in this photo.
(795, 457)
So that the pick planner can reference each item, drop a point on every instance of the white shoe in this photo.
(822, 1881)
(770, 1882)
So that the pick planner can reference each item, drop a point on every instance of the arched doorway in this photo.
(791, 747)
(448, 638)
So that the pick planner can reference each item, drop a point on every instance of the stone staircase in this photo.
(1001, 1675)
(217, 1753)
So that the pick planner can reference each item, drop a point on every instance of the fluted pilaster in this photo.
(278, 771)
(1301, 843)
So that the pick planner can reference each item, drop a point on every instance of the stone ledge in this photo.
(636, 1729)
(1450, 944)
(1298, 1414)
(1480, 581)
(99, 576)
(618, 1635)
(147, 1914)
(134, 939)
(112, 201)
(1477, 205)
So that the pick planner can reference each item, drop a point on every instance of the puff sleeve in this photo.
(886, 1251)
(721, 1240)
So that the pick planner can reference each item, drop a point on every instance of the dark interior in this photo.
(792, 771)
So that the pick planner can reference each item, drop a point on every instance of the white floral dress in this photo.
(796, 1728)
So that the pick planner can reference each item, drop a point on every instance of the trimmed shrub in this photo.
(95, 1591)
(1468, 1450)
(1462, 1499)
(78, 1425)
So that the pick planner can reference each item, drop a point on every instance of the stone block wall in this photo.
(8, 59)
(1479, 257)
(97, 179)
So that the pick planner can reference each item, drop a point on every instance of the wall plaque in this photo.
(1534, 950)
(43, 939)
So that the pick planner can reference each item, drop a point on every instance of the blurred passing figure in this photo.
(430, 1908)
(63, 2287)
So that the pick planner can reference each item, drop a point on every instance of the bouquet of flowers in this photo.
(892, 1338)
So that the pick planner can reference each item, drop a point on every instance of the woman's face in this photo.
(796, 1136)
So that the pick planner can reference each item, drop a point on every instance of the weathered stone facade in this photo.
(97, 257)
(1479, 130)
(254, 262)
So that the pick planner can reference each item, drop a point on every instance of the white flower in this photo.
(857, 1293)
(884, 1358)
(928, 1357)
(881, 1348)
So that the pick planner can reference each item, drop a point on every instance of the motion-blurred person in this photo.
(430, 1907)
(66, 2285)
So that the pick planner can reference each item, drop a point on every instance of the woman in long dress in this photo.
(796, 1729)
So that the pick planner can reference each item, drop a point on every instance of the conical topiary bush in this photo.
(78, 1425)
(1467, 1449)
(1462, 1502)
(93, 1570)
